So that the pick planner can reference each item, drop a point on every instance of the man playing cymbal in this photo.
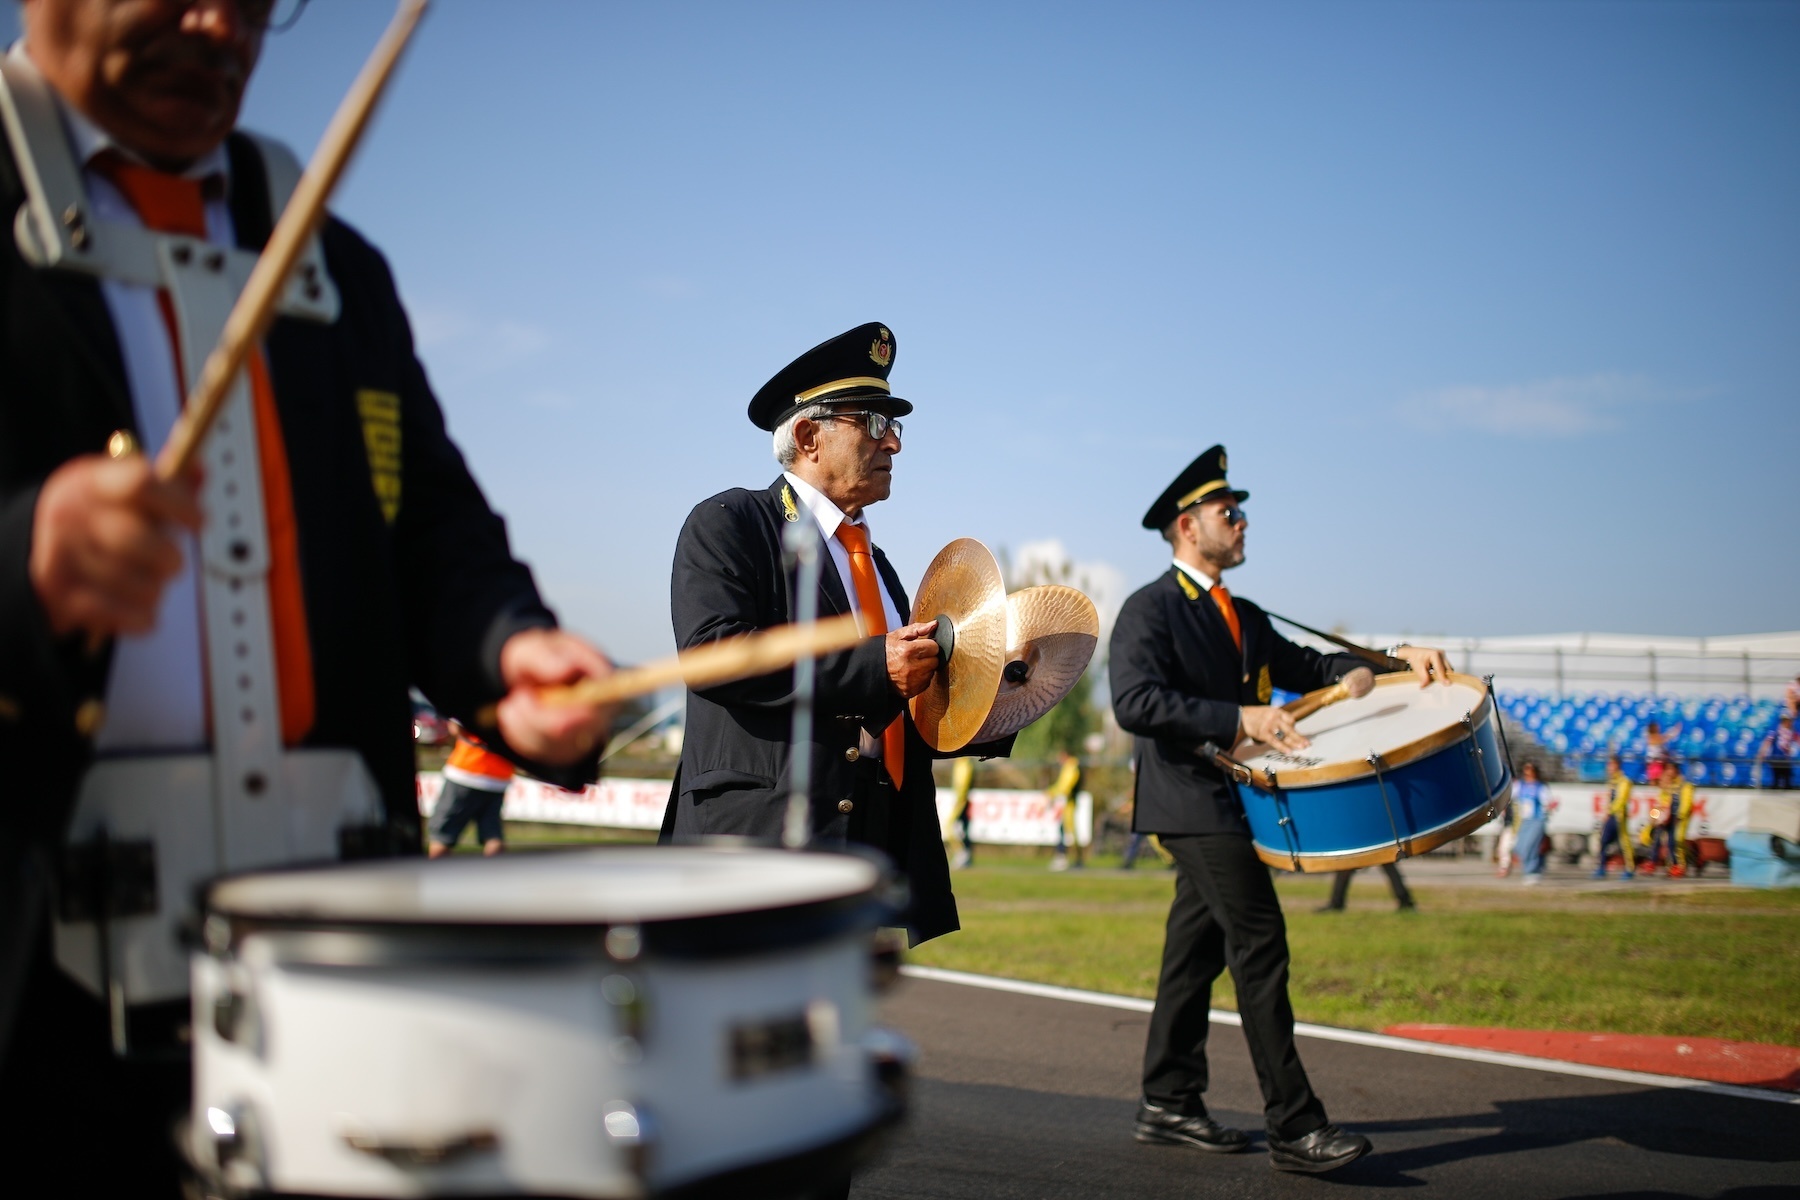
(836, 431)
(1193, 669)
(250, 625)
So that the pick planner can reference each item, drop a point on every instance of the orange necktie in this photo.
(1222, 598)
(868, 599)
(174, 204)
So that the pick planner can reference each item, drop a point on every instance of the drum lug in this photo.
(625, 996)
(234, 1145)
(1401, 849)
(632, 1132)
(891, 1055)
(885, 955)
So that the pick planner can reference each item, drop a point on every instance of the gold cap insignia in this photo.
(788, 509)
(1221, 463)
(881, 350)
(1187, 585)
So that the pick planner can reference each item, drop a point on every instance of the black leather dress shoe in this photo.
(1178, 1129)
(1322, 1150)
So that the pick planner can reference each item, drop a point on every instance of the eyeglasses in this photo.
(265, 16)
(877, 423)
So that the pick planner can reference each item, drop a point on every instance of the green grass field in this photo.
(1719, 964)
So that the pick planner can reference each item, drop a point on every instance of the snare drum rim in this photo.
(1413, 751)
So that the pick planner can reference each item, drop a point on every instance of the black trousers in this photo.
(95, 1124)
(1226, 914)
(1340, 887)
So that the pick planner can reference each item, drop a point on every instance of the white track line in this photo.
(1357, 1037)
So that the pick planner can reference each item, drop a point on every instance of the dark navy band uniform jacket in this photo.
(1178, 680)
(733, 778)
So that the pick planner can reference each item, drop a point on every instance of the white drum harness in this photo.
(148, 831)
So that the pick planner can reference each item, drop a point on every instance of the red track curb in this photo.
(1750, 1064)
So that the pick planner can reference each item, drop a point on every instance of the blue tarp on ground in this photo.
(1763, 859)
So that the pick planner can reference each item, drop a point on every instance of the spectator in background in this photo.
(1063, 793)
(1340, 890)
(1655, 752)
(1679, 795)
(1532, 801)
(1792, 701)
(1616, 830)
(1779, 750)
(475, 783)
(1509, 838)
(962, 778)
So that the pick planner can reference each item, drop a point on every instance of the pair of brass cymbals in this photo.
(1007, 660)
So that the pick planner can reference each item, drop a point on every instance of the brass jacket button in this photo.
(845, 806)
(852, 754)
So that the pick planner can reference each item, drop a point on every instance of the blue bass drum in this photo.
(1395, 773)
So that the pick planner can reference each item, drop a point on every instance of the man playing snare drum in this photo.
(357, 556)
(1193, 666)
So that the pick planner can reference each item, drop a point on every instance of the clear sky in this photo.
(1496, 306)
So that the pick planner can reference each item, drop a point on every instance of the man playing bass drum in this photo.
(1192, 666)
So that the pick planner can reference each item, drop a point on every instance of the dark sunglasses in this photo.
(1232, 514)
(877, 423)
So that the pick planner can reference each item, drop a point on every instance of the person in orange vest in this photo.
(475, 783)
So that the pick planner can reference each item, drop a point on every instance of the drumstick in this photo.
(1312, 702)
(718, 662)
(255, 306)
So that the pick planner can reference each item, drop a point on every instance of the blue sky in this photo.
(1496, 306)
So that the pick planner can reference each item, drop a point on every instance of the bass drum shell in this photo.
(1429, 791)
(363, 1031)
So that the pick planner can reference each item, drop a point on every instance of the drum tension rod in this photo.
(1380, 782)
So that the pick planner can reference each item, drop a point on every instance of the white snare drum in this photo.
(610, 1022)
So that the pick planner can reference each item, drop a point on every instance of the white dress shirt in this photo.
(830, 516)
(156, 690)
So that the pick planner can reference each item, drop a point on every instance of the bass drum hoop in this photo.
(1374, 856)
(1400, 756)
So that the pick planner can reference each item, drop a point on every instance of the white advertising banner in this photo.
(613, 803)
(996, 816)
(1718, 812)
(1002, 816)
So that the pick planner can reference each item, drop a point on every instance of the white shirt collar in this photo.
(87, 139)
(828, 515)
(1207, 582)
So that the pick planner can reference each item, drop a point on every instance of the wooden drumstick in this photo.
(718, 662)
(255, 306)
(1312, 702)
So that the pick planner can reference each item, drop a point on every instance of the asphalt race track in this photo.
(1021, 1096)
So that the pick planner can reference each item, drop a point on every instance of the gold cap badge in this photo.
(881, 350)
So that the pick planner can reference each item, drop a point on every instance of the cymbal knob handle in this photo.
(945, 636)
(1017, 673)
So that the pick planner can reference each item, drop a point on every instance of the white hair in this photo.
(786, 448)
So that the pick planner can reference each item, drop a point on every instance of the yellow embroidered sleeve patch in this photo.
(381, 437)
(1265, 687)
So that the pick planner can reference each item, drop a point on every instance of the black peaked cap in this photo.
(848, 366)
(1204, 477)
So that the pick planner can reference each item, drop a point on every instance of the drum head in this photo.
(1398, 719)
(603, 886)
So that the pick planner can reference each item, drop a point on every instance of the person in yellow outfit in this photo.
(1617, 828)
(962, 779)
(1679, 797)
(1063, 793)
(475, 783)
